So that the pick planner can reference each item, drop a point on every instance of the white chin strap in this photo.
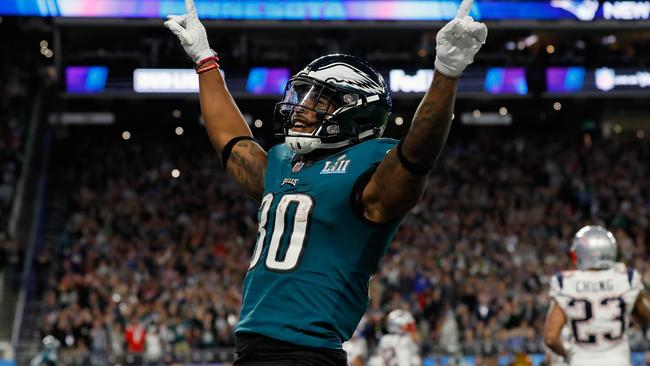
(302, 142)
(305, 142)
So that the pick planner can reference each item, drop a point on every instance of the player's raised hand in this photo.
(458, 41)
(191, 32)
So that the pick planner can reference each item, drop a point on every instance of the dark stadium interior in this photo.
(142, 230)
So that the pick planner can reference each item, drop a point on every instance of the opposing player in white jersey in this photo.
(398, 348)
(356, 347)
(596, 301)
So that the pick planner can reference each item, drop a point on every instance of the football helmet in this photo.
(349, 99)
(400, 321)
(594, 247)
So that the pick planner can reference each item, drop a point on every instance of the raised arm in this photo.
(230, 135)
(399, 181)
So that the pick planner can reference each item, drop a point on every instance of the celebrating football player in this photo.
(332, 196)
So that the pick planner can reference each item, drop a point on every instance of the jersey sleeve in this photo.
(556, 291)
(278, 158)
(279, 152)
(382, 147)
(636, 285)
(376, 151)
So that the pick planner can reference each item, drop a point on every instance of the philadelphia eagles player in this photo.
(332, 196)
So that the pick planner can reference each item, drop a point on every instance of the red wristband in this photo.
(206, 60)
(206, 67)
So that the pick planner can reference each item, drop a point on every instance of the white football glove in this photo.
(191, 32)
(458, 41)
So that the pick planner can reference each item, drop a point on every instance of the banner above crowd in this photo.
(337, 10)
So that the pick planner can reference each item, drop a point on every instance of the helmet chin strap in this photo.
(305, 142)
(302, 142)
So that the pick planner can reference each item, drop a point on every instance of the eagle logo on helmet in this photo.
(346, 75)
(356, 103)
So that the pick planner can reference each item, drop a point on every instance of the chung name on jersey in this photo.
(594, 286)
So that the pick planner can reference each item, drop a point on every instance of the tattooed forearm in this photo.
(390, 173)
(421, 146)
(431, 122)
(247, 163)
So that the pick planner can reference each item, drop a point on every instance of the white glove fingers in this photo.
(460, 27)
(464, 8)
(478, 30)
(189, 7)
(176, 28)
(454, 28)
(467, 22)
(180, 19)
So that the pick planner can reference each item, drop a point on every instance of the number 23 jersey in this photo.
(598, 305)
(308, 279)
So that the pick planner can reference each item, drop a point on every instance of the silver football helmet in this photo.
(400, 321)
(594, 247)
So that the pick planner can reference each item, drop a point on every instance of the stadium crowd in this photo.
(152, 265)
(15, 84)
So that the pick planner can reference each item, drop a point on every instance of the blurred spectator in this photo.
(135, 334)
(153, 348)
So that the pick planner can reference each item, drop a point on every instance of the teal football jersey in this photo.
(308, 279)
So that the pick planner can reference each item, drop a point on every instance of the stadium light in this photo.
(126, 135)
(179, 130)
(531, 40)
(399, 121)
(176, 173)
(610, 39)
(557, 106)
(258, 123)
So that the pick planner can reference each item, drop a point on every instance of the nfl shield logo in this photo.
(297, 166)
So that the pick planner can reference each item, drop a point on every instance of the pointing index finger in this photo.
(189, 6)
(464, 8)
